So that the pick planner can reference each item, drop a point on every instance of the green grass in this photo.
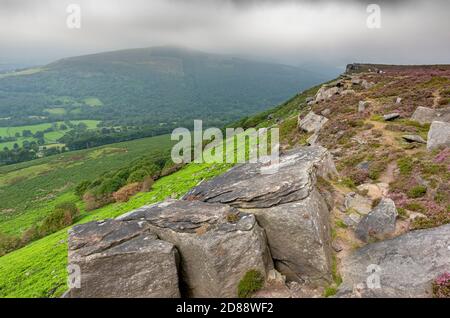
(49, 138)
(252, 281)
(330, 291)
(405, 165)
(55, 111)
(93, 101)
(341, 224)
(417, 191)
(19, 141)
(28, 189)
(286, 110)
(39, 269)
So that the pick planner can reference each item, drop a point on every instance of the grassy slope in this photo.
(30, 190)
(39, 269)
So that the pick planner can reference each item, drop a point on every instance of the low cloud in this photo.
(295, 32)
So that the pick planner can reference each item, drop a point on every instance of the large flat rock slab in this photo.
(122, 259)
(217, 243)
(245, 186)
(404, 267)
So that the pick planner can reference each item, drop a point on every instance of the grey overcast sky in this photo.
(287, 31)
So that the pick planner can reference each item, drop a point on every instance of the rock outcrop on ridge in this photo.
(204, 245)
(217, 243)
(145, 253)
(287, 205)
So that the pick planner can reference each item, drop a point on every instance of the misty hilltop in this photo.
(363, 179)
(163, 87)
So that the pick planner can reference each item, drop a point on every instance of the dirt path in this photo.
(436, 98)
(388, 175)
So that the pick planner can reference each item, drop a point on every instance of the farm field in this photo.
(49, 138)
(29, 190)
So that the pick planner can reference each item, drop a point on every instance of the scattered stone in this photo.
(312, 123)
(374, 191)
(363, 165)
(287, 205)
(337, 246)
(217, 243)
(348, 92)
(392, 116)
(362, 106)
(416, 215)
(425, 115)
(122, 259)
(352, 219)
(356, 81)
(357, 202)
(366, 84)
(309, 99)
(438, 135)
(379, 222)
(274, 277)
(405, 267)
(398, 100)
(325, 93)
(359, 139)
(336, 151)
(326, 112)
(414, 138)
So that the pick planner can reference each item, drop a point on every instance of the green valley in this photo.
(29, 190)
(160, 87)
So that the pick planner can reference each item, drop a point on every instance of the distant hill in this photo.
(164, 86)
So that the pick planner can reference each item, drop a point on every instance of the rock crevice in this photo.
(203, 245)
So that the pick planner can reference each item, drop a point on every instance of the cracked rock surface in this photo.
(122, 259)
(404, 267)
(287, 205)
(217, 243)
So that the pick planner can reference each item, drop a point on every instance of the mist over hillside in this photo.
(165, 87)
